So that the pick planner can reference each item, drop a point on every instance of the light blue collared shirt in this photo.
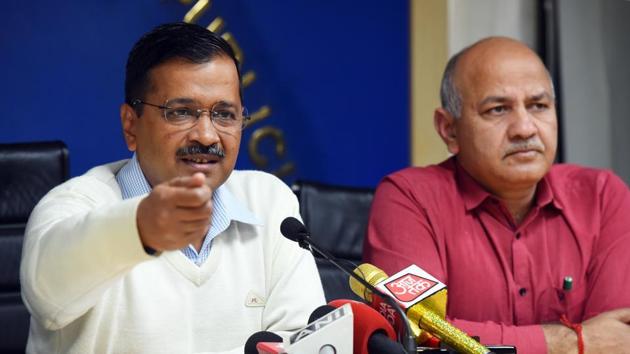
(225, 207)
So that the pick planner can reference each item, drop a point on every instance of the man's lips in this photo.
(200, 158)
(526, 154)
(522, 151)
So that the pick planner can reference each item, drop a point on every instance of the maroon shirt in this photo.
(504, 279)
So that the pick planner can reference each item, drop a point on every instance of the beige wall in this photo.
(428, 57)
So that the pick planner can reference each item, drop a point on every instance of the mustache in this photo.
(525, 145)
(198, 149)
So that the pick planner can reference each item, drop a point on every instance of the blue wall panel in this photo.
(334, 73)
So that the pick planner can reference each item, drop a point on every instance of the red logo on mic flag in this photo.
(408, 287)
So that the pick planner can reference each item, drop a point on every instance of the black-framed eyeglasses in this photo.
(224, 116)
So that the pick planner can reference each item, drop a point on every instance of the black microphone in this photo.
(262, 336)
(320, 312)
(379, 343)
(294, 230)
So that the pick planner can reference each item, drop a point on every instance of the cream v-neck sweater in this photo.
(91, 288)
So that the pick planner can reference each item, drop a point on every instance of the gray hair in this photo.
(449, 95)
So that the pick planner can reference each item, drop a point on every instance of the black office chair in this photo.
(337, 219)
(27, 172)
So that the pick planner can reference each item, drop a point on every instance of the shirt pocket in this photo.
(555, 302)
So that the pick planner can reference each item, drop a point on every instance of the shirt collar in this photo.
(545, 194)
(471, 191)
(133, 183)
(235, 209)
(474, 194)
(131, 179)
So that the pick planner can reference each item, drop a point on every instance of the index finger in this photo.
(191, 197)
(198, 179)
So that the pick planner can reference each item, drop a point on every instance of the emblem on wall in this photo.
(263, 132)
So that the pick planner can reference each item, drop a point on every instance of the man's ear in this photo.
(445, 125)
(129, 121)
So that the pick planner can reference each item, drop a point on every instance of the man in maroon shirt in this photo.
(518, 242)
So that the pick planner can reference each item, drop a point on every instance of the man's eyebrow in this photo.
(190, 101)
(504, 99)
(181, 100)
(223, 103)
(494, 99)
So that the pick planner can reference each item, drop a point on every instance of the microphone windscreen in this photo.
(321, 312)
(367, 321)
(262, 336)
(293, 229)
(378, 343)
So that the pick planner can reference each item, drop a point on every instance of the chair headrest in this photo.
(27, 172)
(336, 216)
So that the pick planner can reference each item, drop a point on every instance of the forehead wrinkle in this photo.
(203, 84)
(541, 96)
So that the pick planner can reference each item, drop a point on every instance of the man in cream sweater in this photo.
(170, 251)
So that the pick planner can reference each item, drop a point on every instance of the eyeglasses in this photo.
(223, 116)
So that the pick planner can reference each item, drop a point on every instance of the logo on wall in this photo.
(258, 116)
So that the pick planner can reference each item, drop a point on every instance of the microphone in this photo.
(329, 334)
(320, 312)
(381, 344)
(372, 333)
(322, 343)
(413, 287)
(259, 337)
(374, 276)
(294, 230)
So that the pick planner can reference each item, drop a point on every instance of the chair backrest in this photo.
(337, 219)
(27, 172)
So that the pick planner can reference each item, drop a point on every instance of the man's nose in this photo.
(522, 124)
(204, 131)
